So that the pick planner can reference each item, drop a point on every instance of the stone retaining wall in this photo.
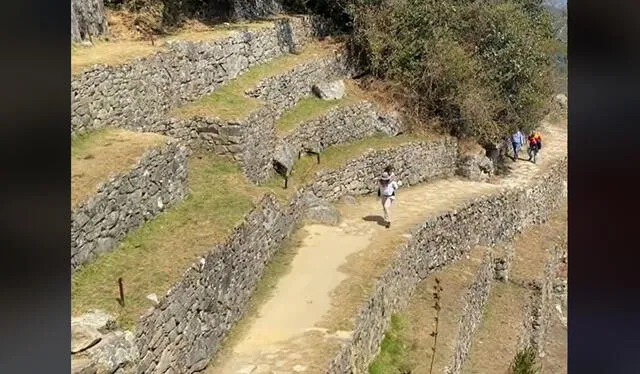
(186, 328)
(436, 243)
(413, 163)
(126, 201)
(283, 91)
(339, 126)
(475, 299)
(141, 92)
(542, 308)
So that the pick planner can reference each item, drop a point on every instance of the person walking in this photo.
(387, 193)
(535, 144)
(517, 140)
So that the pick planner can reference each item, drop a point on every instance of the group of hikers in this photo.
(388, 187)
(534, 142)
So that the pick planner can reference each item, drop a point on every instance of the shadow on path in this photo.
(378, 219)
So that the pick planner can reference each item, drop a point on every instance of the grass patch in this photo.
(229, 101)
(104, 152)
(313, 107)
(123, 51)
(155, 256)
(393, 350)
(305, 109)
(279, 265)
(305, 169)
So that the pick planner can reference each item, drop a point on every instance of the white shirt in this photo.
(389, 189)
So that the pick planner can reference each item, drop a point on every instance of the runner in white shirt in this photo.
(387, 192)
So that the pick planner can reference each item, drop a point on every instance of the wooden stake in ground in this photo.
(121, 287)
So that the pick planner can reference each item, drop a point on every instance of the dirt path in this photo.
(313, 306)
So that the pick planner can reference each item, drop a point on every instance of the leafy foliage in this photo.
(483, 68)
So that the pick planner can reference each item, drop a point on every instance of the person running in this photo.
(535, 144)
(517, 140)
(387, 192)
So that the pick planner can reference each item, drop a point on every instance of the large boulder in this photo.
(329, 90)
(474, 164)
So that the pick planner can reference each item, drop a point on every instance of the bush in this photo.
(482, 68)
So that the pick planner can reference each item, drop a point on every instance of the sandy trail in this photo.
(313, 306)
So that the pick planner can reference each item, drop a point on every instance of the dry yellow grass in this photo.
(122, 51)
(97, 155)
(229, 101)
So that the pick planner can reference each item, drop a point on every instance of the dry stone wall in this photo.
(140, 93)
(542, 308)
(413, 163)
(475, 299)
(338, 126)
(185, 329)
(126, 201)
(283, 91)
(437, 242)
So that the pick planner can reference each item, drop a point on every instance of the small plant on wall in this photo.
(437, 290)
(525, 362)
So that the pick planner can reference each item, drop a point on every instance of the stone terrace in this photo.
(119, 180)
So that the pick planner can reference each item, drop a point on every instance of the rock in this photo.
(153, 298)
(324, 214)
(329, 90)
(117, 349)
(349, 200)
(561, 100)
(283, 159)
(97, 319)
(83, 337)
(82, 365)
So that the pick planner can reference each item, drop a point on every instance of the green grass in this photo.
(306, 109)
(155, 256)
(313, 107)
(393, 350)
(230, 103)
(82, 143)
